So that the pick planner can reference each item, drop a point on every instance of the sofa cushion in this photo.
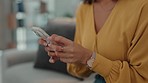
(42, 62)
(25, 73)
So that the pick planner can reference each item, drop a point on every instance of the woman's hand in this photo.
(52, 59)
(68, 51)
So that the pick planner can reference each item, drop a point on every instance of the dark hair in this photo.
(92, 1)
(89, 1)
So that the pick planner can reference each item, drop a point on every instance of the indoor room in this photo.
(73, 41)
(22, 59)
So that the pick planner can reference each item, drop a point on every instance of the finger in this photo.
(66, 60)
(46, 49)
(60, 39)
(64, 55)
(52, 37)
(55, 47)
(53, 59)
(68, 49)
(49, 49)
(42, 42)
(51, 53)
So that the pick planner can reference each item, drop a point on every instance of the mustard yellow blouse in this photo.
(121, 45)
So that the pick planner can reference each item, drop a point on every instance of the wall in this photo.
(62, 6)
(5, 34)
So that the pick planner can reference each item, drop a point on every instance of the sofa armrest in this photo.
(9, 58)
(13, 57)
(1, 52)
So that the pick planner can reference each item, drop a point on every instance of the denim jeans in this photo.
(99, 79)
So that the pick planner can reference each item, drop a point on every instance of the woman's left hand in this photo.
(69, 52)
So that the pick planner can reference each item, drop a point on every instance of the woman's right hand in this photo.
(54, 58)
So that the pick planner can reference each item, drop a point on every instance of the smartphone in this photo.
(41, 33)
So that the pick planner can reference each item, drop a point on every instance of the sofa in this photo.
(17, 66)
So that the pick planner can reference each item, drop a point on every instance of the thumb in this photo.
(60, 40)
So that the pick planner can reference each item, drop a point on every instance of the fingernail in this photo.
(51, 60)
(45, 44)
(49, 45)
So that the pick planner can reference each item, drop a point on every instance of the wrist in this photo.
(91, 60)
(88, 55)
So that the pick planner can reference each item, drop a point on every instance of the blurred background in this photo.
(17, 16)
(22, 60)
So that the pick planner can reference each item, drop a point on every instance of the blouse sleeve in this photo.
(79, 70)
(135, 69)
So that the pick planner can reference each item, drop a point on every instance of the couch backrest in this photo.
(14, 56)
(66, 29)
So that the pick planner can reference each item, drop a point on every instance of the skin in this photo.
(66, 50)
